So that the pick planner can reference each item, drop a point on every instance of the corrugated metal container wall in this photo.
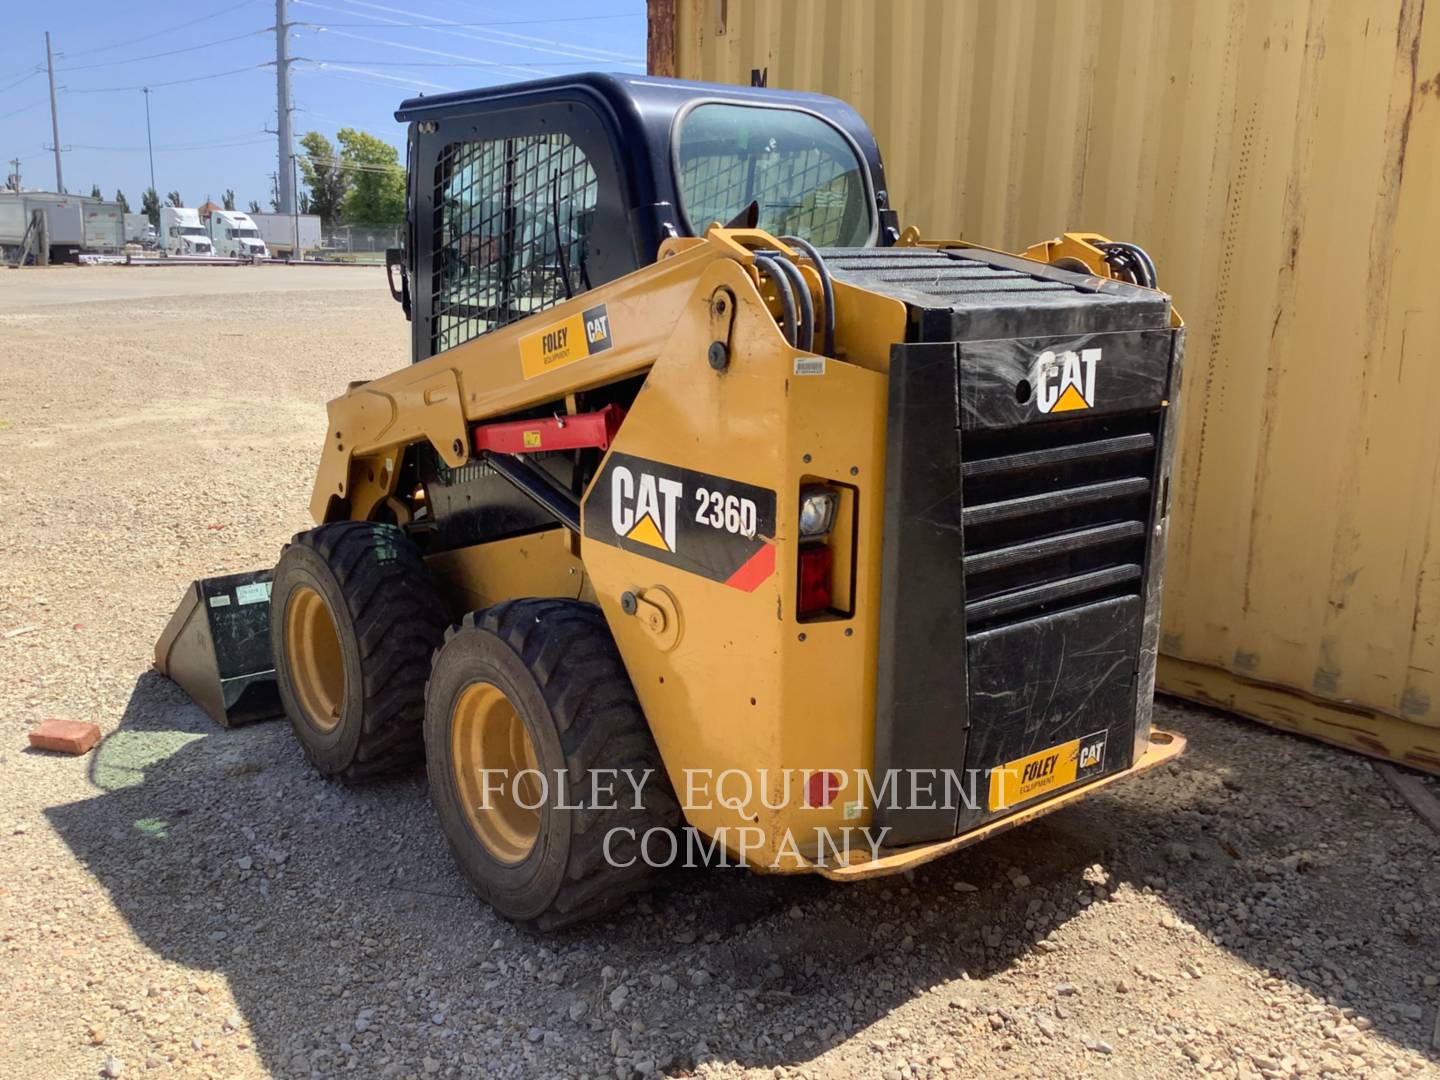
(1280, 161)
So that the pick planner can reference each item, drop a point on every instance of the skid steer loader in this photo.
(714, 499)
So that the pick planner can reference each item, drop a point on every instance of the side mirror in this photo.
(395, 257)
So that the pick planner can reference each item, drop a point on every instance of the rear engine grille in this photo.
(1055, 515)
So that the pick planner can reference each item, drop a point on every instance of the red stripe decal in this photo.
(754, 570)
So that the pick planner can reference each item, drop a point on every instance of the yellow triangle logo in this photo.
(1070, 400)
(647, 532)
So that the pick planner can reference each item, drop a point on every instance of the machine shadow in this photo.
(1214, 838)
(227, 854)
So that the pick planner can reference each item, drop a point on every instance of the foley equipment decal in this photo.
(565, 342)
(1049, 770)
(720, 529)
(1065, 381)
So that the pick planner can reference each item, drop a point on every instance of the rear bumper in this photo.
(1164, 746)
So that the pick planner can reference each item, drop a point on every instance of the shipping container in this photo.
(1281, 162)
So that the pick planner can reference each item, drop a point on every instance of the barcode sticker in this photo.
(810, 365)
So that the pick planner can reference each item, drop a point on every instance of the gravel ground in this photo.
(186, 901)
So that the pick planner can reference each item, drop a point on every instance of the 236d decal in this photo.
(708, 525)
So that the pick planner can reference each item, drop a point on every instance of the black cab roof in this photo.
(641, 112)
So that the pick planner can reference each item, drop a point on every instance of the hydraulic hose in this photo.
(805, 335)
(771, 268)
(827, 287)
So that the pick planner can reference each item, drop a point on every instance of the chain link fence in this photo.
(359, 239)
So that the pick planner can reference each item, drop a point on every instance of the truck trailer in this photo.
(288, 234)
(64, 226)
(138, 230)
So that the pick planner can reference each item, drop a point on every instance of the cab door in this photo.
(513, 210)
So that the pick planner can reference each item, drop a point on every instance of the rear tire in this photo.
(551, 667)
(354, 619)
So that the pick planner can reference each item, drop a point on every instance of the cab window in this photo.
(512, 217)
(805, 177)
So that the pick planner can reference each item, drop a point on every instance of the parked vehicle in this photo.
(235, 236)
(957, 582)
(181, 232)
(64, 224)
(138, 230)
(279, 232)
(104, 225)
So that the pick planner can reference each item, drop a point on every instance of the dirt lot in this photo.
(187, 901)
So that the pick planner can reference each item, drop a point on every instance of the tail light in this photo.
(816, 566)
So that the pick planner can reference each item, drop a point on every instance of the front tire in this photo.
(539, 685)
(354, 619)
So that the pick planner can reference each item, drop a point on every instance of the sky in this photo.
(212, 93)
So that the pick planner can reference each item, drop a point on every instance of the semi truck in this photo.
(181, 232)
(236, 236)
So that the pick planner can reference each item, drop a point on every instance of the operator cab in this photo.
(523, 196)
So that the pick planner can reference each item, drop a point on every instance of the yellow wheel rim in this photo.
(312, 649)
(496, 772)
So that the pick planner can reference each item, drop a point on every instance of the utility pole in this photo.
(16, 162)
(295, 203)
(54, 117)
(286, 194)
(148, 141)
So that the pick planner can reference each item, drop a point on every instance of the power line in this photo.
(392, 79)
(444, 64)
(153, 34)
(23, 108)
(23, 78)
(170, 82)
(357, 166)
(496, 37)
(218, 144)
(31, 69)
(488, 38)
(435, 52)
(510, 22)
(390, 85)
(168, 52)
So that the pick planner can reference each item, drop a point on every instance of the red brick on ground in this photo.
(65, 736)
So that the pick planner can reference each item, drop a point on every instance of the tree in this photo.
(254, 206)
(124, 202)
(150, 205)
(95, 192)
(323, 174)
(228, 202)
(173, 199)
(377, 180)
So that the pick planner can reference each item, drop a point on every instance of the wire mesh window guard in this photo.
(511, 219)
